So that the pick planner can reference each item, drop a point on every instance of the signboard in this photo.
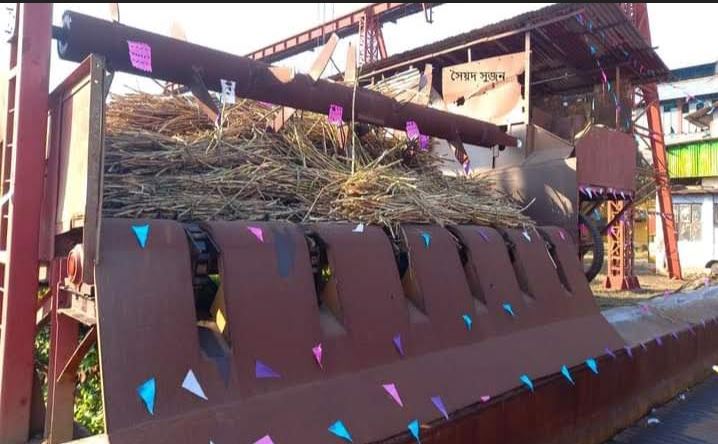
(486, 89)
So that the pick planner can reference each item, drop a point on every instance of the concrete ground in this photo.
(652, 285)
(692, 416)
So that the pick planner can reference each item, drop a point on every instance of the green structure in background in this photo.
(695, 159)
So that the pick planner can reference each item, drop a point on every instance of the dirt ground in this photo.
(652, 285)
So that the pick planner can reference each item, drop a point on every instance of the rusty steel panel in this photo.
(548, 190)
(146, 320)
(492, 280)
(597, 407)
(436, 285)
(272, 309)
(72, 189)
(147, 327)
(606, 158)
(365, 284)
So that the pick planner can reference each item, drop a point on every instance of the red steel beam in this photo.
(177, 61)
(28, 123)
(343, 26)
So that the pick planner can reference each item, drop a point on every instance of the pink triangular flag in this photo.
(257, 232)
(485, 398)
(264, 440)
(394, 393)
(317, 350)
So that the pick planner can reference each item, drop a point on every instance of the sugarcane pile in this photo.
(165, 159)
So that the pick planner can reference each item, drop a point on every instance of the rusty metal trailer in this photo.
(531, 309)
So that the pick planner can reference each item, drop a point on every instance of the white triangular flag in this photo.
(191, 384)
(359, 228)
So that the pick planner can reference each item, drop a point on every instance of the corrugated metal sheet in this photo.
(559, 46)
(697, 159)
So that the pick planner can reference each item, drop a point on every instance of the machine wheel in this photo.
(596, 247)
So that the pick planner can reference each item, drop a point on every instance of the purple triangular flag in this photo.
(629, 351)
(439, 404)
(262, 371)
(483, 235)
(610, 353)
(398, 346)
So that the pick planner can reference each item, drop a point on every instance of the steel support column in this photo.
(23, 165)
(638, 13)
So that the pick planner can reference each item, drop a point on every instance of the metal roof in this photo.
(562, 36)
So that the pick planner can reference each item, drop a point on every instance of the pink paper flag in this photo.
(257, 232)
(485, 398)
(394, 393)
(317, 350)
(140, 55)
(563, 236)
(264, 440)
(335, 114)
(412, 130)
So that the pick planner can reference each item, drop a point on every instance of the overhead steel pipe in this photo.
(179, 62)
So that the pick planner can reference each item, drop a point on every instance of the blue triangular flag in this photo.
(427, 238)
(142, 232)
(146, 392)
(527, 381)
(567, 374)
(591, 363)
(414, 429)
(468, 321)
(508, 309)
(339, 430)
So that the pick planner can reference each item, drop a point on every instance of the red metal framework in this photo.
(638, 12)
(343, 26)
(371, 40)
(620, 274)
(23, 159)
